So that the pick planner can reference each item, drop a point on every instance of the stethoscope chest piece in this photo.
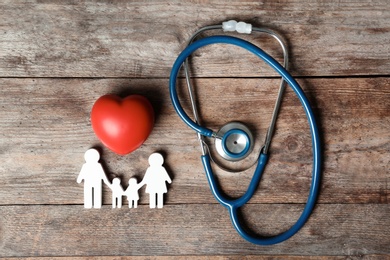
(234, 141)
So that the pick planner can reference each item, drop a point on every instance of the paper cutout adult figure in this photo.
(155, 178)
(132, 192)
(117, 193)
(93, 174)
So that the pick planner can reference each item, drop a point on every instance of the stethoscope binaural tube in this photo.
(234, 205)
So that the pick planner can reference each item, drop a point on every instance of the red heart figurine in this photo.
(122, 125)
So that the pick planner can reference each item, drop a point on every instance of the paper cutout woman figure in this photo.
(93, 174)
(155, 178)
(117, 193)
(132, 192)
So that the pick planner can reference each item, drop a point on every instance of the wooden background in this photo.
(58, 57)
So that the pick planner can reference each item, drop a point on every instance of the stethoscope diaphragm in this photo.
(234, 141)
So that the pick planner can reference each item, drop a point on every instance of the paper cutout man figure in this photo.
(117, 193)
(132, 192)
(93, 174)
(155, 178)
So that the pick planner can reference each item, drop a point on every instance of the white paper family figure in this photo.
(93, 174)
(117, 193)
(132, 192)
(155, 178)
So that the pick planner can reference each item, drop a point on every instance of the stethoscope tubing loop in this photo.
(234, 205)
(241, 43)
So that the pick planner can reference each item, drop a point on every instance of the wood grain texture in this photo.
(46, 134)
(217, 257)
(142, 39)
(190, 229)
(58, 57)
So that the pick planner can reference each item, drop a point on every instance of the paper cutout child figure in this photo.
(155, 178)
(132, 192)
(93, 174)
(117, 193)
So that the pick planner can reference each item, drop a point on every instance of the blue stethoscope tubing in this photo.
(234, 204)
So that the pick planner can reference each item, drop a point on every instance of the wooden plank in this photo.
(142, 39)
(247, 257)
(45, 130)
(192, 229)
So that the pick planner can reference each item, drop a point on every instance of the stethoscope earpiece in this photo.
(234, 141)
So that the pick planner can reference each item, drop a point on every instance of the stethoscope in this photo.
(234, 141)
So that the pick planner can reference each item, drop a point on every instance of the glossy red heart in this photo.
(122, 125)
